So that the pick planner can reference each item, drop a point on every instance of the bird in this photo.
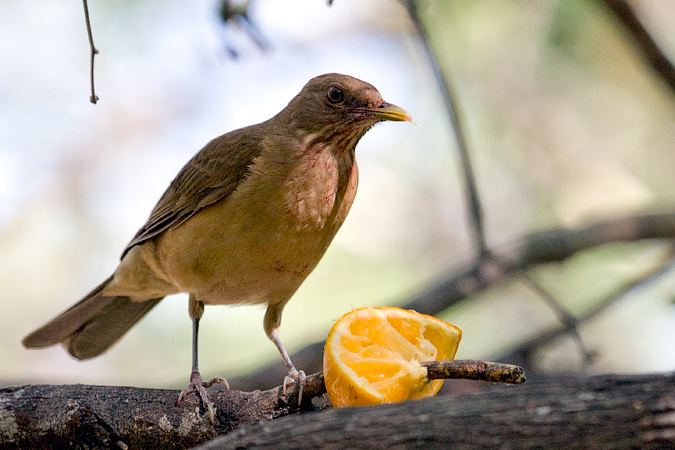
(244, 222)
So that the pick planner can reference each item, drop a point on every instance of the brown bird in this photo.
(244, 222)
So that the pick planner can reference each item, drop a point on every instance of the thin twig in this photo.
(570, 322)
(464, 369)
(93, 98)
(524, 350)
(452, 109)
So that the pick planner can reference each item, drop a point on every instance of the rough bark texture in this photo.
(98, 417)
(608, 412)
(619, 412)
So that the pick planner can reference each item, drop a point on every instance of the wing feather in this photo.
(211, 175)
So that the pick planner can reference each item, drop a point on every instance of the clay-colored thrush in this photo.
(244, 222)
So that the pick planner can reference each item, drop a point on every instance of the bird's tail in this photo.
(92, 325)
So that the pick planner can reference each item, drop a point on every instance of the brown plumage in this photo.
(245, 221)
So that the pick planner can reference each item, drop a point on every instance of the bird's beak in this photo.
(387, 111)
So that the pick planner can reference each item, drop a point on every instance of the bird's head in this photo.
(339, 109)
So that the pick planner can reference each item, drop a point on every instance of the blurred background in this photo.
(565, 124)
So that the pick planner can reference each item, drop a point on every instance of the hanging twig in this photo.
(93, 98)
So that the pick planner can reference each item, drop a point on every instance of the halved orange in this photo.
(373, 355)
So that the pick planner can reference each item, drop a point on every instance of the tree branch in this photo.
(542, 247)
(646, 45)
(618, 412)
(523, 352)
(105, 416)
(467, 369)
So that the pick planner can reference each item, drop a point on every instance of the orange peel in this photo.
(373, 355)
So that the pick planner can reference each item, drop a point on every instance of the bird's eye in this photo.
(335, 95)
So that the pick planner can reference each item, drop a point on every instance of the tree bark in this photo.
(101, 417)
(617, 412)
(598, 412)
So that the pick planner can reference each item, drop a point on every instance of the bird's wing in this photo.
(210, 176)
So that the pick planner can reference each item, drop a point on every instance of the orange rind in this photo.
(373, 355)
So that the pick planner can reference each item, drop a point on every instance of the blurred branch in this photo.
(570, 322)
(524, 351)
(93, 98)
(483, 255)
(452, 109)
(236, 15)
(648, 48)
(543, 247)
(537, 248)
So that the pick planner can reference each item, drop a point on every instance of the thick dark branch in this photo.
(623, 12)
(102, 417)
(111, 417)
(599, 412)
(618, 412)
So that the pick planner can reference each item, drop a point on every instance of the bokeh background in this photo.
(565, 124)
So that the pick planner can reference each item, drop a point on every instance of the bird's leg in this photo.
(197, 384)
(293, 374)
(271, 323)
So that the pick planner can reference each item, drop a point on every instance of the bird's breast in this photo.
(320, 191)
(262, 241)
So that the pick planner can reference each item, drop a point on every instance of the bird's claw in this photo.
(199, 386)
(293, 377)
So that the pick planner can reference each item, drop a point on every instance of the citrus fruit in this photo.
(373, 355)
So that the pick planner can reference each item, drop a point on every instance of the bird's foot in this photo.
(199, 386)
(293, 377)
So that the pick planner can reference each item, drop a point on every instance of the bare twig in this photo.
(452, 109)
(570, 323)
(93, 98)
(467, 369)
(648, 48)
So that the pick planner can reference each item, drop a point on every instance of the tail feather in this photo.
(92, 325)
